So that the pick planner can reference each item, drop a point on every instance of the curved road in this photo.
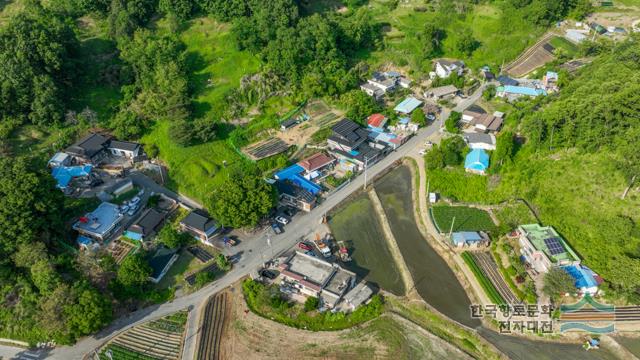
(253, 252)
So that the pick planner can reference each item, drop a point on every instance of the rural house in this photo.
(315, 164)
(126, 149)
(480, 141)
(379, 84)
(59, 159)
(488, 123)
(472, 113)
(201, 226)
(292, 195)
(543, 248)
(349, 143)
(472, 239)
(444, 68)
(514, 92)
(376, 122)
(160, 262)
(146, 226)
(91, 149)
(312, 276)
(442, 92)
(101, 223)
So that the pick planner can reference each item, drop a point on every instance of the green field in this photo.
(484, 281)
(502, 38)
(466, 219)
(212, 55)
(569, 48)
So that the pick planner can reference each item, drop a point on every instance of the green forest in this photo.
(177, 74)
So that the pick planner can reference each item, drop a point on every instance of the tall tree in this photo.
(243, 200)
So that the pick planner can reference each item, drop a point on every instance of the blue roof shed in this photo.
(64, 174)
(477, 160)
(583, 277)
(407, 105)
(292, 173)
(521, 90)
(465, 237)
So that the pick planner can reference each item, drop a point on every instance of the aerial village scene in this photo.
(444, 205)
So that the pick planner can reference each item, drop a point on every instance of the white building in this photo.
(444, 68)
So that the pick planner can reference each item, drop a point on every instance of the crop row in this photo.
(489, 268)
(484, 281)
(212, 327)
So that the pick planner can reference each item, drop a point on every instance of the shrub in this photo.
(311, 303)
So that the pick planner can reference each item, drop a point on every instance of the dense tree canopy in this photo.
(243, 200)
(37, 50)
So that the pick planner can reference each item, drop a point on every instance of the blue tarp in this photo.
(64, 174)
(404, 120)
(292, 173)
(408, 105)
(477, 160)
(583, 277)
(83, 240)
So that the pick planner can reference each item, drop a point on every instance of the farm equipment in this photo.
(343, 252)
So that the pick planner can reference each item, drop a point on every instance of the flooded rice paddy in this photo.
(355, 223)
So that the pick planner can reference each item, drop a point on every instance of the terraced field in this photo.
(213, 322)
(160, 339)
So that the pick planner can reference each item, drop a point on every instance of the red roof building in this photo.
(316, 161)
(376, 120)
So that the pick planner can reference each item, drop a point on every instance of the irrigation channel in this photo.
(356, 222)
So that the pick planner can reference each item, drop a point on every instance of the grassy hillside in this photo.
(502, 37)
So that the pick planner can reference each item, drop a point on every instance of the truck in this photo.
(322, 247)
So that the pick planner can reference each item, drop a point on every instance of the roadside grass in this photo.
(448, 331)
(484, 281)
(502, 37)
(466, 218)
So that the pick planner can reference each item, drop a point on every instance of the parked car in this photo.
(124, 208)
(132, 210)
(422, 152)
(310, 253)
(290, 212)
(276, 228)
(304, 246)
(135, 200)
(268, 274)
(282, 220)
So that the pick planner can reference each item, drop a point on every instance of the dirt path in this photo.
(407, 279)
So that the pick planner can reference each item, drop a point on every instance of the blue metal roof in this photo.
(408, 105)
(583, 277)
(292, 173)
(64, 174)
(404, 120)
(465, 237)
(477, 159)
(552, 75)
(522, 90)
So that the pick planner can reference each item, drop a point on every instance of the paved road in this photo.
(253, 252)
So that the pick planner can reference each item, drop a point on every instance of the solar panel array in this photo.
(554, 245)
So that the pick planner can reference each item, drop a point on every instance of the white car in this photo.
(133, 210)
(134, 201)
(422, 152)
(282, 220)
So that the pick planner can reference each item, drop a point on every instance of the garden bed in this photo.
(466, 219)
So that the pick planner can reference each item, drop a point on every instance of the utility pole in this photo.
(366, 163)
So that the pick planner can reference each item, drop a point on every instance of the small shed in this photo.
(287, 124)
(466, 238)
(477, 162)
(60, 159)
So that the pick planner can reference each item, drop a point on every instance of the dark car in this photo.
(304, 246)
(276, 228)
(268, 274)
